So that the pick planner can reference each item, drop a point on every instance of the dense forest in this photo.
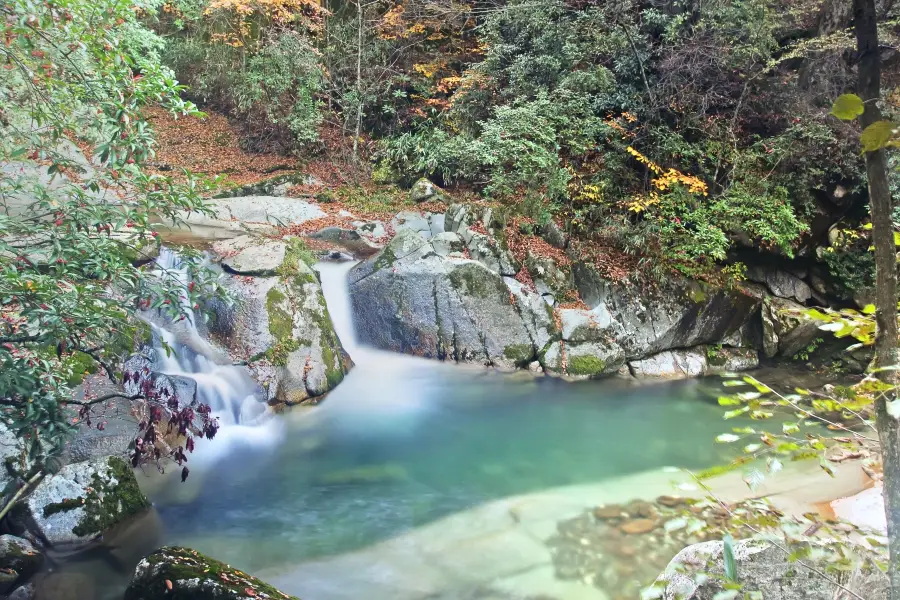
(688, 134)
(216, 215)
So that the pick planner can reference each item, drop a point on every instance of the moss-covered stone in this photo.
(589, 366)
(520, 354)
(281, 323)
(177, 573)
(111, 499)
(475, 280)
(18, 555)
(297, 252)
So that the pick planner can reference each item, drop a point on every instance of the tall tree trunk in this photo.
(865, 20)
(359, 94)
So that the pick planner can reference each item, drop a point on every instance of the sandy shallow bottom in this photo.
(498, 550)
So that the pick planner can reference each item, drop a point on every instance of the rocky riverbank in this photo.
(456, 283)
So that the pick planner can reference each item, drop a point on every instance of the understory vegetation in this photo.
(689, 134)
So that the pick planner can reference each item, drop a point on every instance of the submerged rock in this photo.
(281, 324)
(761, 568)
(184, 574)
(19, 560)
(410, 299)
(82, 500)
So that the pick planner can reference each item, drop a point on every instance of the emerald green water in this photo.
(400, 443)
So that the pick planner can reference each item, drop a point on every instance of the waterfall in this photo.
(228, 389)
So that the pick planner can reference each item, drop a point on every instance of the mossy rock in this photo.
(82, 500)
(19, 555)
(177, 573)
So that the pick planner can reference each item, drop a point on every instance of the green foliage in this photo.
(72, 224)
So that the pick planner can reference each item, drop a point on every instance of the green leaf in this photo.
(727, 438)
(847, 107)
(730, 563)
(876, 136)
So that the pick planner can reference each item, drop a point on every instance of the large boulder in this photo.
(694, 362)
(184, 574)
(763, 568)
(411, 299)
(785, 330)
(281, 326)
(230, 217)
(76, 505)
(678, 313)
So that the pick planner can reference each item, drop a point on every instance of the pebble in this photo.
(606, 513)
(638, 526)
(671, 501)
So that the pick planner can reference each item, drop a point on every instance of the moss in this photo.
(110, 499)
(520, 354)
(475, 280)
(196, 577)
(385, 259)
(715, 356)
(64, 506)
(331, 346)
(296, 252)
(281, 324)
(586, 365)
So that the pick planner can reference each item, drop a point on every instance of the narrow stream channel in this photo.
(400, 443)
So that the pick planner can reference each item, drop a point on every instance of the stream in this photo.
(401, 443)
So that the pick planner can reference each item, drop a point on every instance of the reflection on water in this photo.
(402, 442)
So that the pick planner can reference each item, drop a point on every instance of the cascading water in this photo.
(227, 388)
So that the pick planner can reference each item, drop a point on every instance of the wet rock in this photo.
(66, 585)
(588, 360)
(20, 556)
(671, 501)
(671, 364)
(642, 509)
(185, 574)
(606, 513)
(262, 258)
(25, 592)
(409, 299)
(638, 526)
(81, 501)
(281, 324)
(762, 568)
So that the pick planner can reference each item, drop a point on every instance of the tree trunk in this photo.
(359, 95)
(865, 20)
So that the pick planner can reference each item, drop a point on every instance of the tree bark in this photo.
(359, 95)
(865, 21)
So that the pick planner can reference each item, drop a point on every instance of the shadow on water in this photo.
(401, 442)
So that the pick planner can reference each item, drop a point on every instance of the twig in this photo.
(20, 493)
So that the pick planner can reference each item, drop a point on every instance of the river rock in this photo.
(257, 259)
(410, 299)
(82, 500)
(488, 251)
(458, 218)
(761, 568)
(424, 190)
(679, 313)
(20, 556)
(549, 278)
(282, 326)
(589, 360)
(412, 220)
(785, 330)
(25, 592)
(638, 526)
(185, 574)
(447, 242)
(695, 362)
(235, 216)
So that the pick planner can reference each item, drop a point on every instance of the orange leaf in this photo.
(250, 591)
(168, 585)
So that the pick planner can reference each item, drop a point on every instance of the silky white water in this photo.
(401, 442)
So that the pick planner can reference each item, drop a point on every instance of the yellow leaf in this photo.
(848, 107)
(876, 136)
